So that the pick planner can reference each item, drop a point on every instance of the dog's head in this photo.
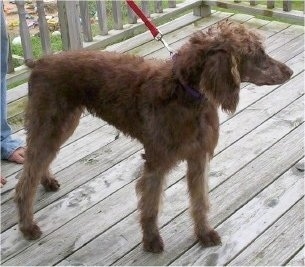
(217, 62)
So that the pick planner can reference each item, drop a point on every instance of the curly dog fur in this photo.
(149, 100)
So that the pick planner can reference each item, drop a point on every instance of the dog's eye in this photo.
(264, 65)
(263, 62)
(260, 58)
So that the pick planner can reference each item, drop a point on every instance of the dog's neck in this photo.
(194, 93)
(189, 90)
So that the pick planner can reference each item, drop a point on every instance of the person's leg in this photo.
(11, 149)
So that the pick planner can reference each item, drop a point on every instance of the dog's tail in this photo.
(30, 63)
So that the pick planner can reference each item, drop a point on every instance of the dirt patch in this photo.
(12, 17)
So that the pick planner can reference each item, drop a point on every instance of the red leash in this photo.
(153, 29)
(158, 36)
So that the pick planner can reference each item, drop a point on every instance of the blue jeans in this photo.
(8, 144)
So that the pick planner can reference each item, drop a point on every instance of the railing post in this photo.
(172, 4)
(24, 31)
(270, 4)
(203, 10)
(102, 16)
(43, 28)
(132, 17)
(10, 58)
(117, 15)
(158, 6)
(86, 24)
(287, 5)
(69, 25)
(145, 8)
(63, 24)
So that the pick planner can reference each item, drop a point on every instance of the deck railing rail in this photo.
(75, 23)
(76, 29)
(283, 9)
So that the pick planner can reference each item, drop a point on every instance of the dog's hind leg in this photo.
(149, 187)
(45, 134)
(71, 121)
(197, 178)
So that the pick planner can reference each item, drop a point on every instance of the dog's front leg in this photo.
(197, 178)
(149, 188)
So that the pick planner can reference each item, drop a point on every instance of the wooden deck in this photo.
(256, 180)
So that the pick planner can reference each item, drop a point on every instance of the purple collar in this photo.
(194, 93)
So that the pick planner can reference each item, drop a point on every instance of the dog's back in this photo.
(112, 86)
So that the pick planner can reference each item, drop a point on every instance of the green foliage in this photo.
(15, 84)
(56, 45)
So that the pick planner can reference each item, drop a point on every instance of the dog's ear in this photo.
(220, 79)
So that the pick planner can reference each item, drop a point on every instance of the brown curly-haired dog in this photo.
(169, 106)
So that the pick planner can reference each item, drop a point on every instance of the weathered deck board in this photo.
(176, 195)
(271, 247)
(87, 125)
(226, 200)
(289, 116)
(298, 259)
(286, 37)
(92, 142)
(173, 37)
(249, 222)
(254, 187)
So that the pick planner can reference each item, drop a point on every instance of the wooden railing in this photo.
(75, 25)
(76, 29)
(269, 9)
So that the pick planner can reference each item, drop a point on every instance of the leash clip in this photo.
(159, 37)
(152, 28)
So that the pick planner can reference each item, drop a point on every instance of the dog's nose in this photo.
(287, 71)
(290, 71)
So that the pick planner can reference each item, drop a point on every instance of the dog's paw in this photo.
(154, 244)
(210, 238)
(51, 184)
(32, 232)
